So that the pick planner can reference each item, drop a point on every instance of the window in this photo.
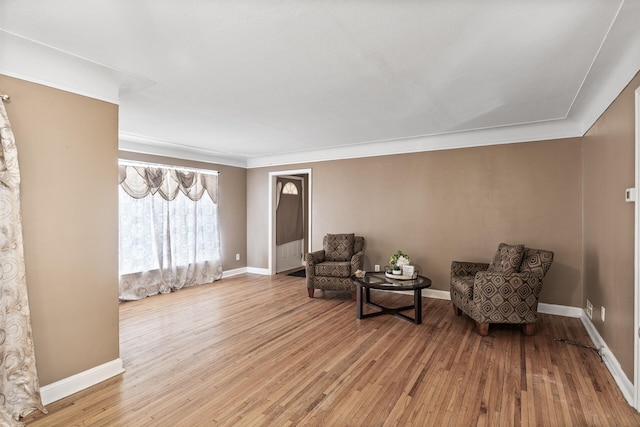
(168, 235)
(290, 188)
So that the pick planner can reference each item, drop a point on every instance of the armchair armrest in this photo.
(513, 297)
(463, 268)
(313, 258)
(356, 262)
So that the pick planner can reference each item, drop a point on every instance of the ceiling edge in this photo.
(541, 131)
(617, 63)
(23, 58)
(144, 145)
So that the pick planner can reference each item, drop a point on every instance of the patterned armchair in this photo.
(332, 267)
(504, 291)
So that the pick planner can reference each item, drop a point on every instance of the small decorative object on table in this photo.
(397, 261)
(408, 270)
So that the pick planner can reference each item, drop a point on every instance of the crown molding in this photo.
(35, 62)
(616, 64)
(144, 145)
(541, 131)
(557, 129)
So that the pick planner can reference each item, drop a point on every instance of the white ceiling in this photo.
(264, 82)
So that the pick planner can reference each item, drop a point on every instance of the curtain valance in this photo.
(139, 181)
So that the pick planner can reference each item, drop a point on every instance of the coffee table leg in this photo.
(359, 300)
(417, 302)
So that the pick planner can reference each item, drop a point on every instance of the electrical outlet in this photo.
(377, 267)
(589, 309)
(237, 257)
(602, 313)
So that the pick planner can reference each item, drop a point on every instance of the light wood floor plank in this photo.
(255, 350)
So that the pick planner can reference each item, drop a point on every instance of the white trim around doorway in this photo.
(272, 185)
(635, 401)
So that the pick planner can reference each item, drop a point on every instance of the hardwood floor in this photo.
(256, 350)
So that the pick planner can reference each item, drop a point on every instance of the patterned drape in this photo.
(19, 387)
(140, 181)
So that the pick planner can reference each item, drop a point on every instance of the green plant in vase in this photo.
(398, 260)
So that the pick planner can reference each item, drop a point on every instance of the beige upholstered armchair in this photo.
(332, 267)
(504, 291)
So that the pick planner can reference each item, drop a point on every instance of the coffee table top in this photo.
(378, 280)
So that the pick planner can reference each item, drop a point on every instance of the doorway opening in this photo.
(286, 249)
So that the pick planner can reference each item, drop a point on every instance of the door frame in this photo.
(272, 207)
(636, 263)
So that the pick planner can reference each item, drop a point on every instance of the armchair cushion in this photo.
(536, 261)
(334, 269)
(507, 259)
(339, 247)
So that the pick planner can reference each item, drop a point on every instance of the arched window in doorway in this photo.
(290, 188)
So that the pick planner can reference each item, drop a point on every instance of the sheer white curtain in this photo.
(169, 235)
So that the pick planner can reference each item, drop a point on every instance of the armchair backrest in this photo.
(341, 247)
(536, 261)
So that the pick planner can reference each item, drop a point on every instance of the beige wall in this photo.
(67, 149)
(608, 164)
(446, 205)
(232, 206)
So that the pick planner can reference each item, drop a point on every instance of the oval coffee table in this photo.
(380, 281)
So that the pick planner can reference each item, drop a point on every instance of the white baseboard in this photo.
(625, 385)
(234, 272)
(426, 293)
(436, 294)
(75, 383)
(255, 270)
(560, 310)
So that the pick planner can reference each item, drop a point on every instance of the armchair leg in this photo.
(529, 329)
(483, 329)
(353, 295)
(456, 310)
(311, 291)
